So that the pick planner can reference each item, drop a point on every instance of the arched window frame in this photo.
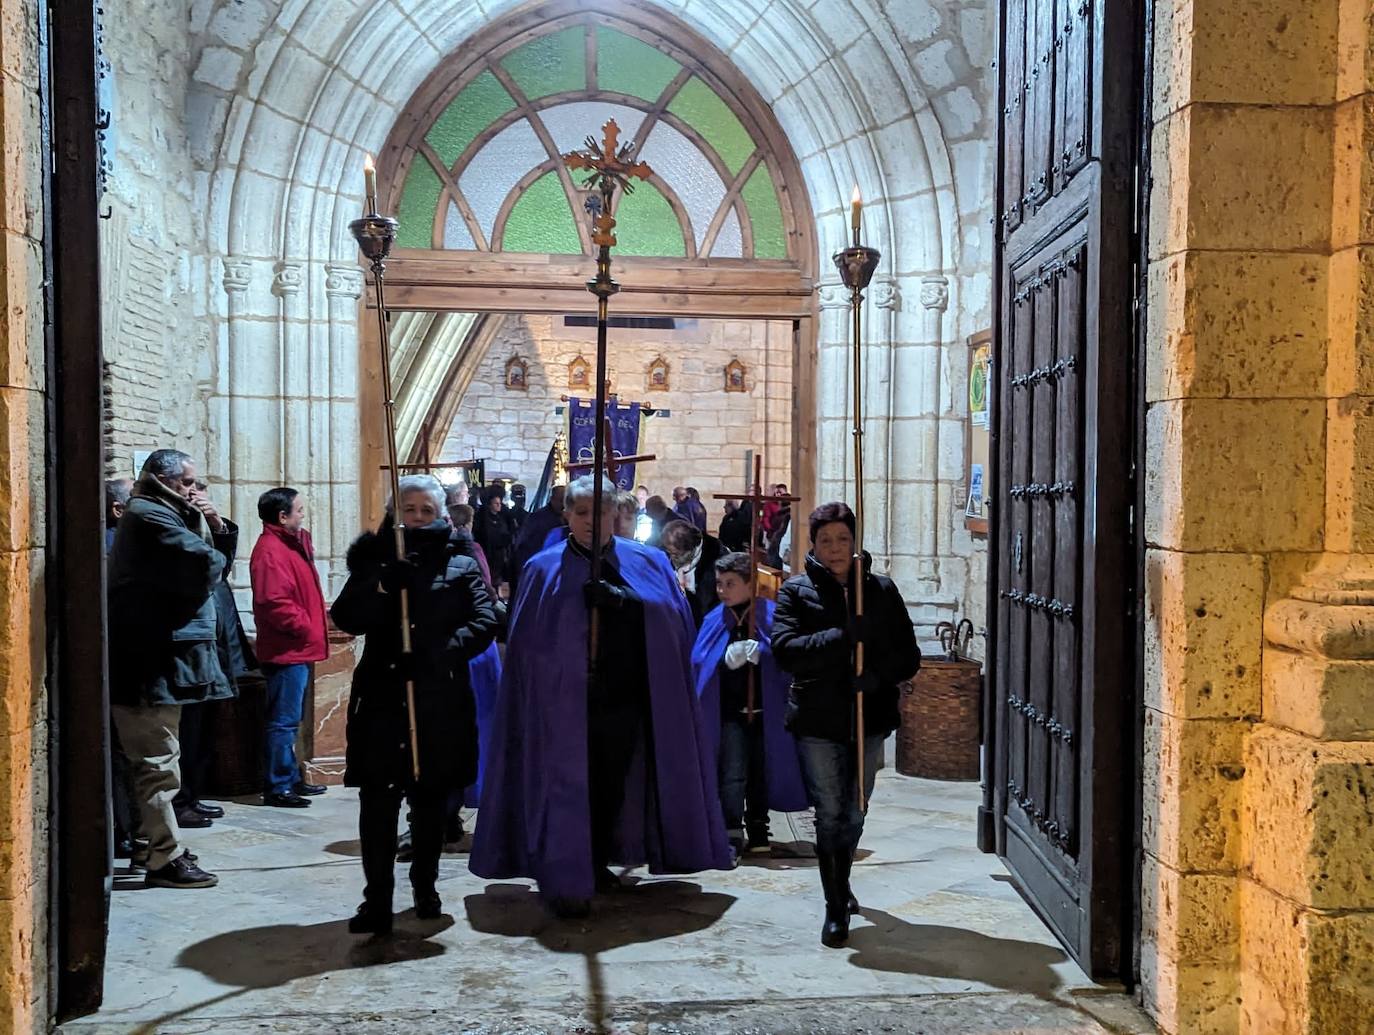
(697, 60)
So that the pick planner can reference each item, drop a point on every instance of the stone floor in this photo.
(945, 943)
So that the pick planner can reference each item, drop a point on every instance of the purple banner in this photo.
(625, 421)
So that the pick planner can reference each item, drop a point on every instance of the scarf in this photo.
(687, 571)
(148, 487)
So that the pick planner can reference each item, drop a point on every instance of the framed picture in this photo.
(517, 374)
(579, 373)
(977, 432)
(735, 372)
(658, 375)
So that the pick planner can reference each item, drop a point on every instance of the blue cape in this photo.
(786, 791)
(535, 816)
(485, 674)
(555, 536)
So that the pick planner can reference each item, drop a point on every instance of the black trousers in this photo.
(195, 736)
(613, 733)
(379, 808)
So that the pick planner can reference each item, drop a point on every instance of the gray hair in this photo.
(584, 488)
(166, 463)
(117, 490)
(425, 483)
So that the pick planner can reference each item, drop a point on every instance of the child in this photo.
(756, 756)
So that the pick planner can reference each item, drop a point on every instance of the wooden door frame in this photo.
(556, 286)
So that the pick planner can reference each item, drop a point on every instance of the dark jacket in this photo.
(811, 641)
(162, 619)
(452, 621)
(495, 534)
(734, 529)
(236, 655)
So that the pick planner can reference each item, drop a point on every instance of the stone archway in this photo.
(282, 188)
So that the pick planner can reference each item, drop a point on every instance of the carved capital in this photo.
(238, 274)
(288, 279)
(885, 294)
(833, 296)
(935, 293)
(343, 281)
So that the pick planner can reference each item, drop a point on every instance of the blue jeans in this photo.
(285, 699)
(828, 769)
(743, 776)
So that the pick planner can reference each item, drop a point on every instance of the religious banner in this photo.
(625, 426)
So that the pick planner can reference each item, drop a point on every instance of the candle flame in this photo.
(368, 165)
(857, 199)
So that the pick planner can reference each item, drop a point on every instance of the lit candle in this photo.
(370, 179)
(856, 207)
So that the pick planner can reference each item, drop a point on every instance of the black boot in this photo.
(371, 918)
(835, 931)
(846, 863)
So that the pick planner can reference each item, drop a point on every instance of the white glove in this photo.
(741, 653)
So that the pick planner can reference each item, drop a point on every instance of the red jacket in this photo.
(287, 601)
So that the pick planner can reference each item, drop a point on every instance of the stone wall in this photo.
(23, 715)
(1258, 895)
(704, 440)
(158, 337)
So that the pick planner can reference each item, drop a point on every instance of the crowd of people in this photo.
(605, 705)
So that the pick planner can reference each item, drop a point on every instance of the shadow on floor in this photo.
(638, 913)
(266, 957)
(933, 950)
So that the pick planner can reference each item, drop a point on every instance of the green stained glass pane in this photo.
(419, 199)
(770, 238)
(541, 221)
(478, 105)
(647, 225)
(556, 63)
(627, 65)
(701, 108)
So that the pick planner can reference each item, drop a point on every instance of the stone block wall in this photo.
(158, 334)
(1258, 896)
(24, 708)
(705, 439)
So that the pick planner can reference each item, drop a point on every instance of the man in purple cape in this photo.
(758, 764)
(586, 773)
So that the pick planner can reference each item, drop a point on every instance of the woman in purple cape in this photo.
(587, 772)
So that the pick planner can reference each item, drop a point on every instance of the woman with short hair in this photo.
(452, 621)
(815, 633)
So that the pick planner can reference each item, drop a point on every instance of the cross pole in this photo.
(756, 499)
(610, 166)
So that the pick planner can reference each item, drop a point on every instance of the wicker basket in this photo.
(939, 738)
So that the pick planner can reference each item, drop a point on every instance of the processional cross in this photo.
(756, 499)
(610, 166)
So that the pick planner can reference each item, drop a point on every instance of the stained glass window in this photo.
(485, 173)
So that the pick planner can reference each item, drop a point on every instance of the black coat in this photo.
(452, 621)
(811, 641)
(495, 534)
(704, 600)
(734, 529)
(162, 617)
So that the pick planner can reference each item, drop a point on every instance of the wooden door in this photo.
(1062, 660)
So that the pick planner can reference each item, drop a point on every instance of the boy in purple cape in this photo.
(618, 769)
(758, 764)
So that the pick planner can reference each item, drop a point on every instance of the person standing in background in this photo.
(293, 634)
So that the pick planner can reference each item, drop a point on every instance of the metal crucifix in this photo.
(610, 166)
(756, 499)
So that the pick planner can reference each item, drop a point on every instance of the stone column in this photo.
(1258, 900)
(834, 467)
(293, 337)
(237, 278)
(343, 286)
(880, 358)
(1307, 939)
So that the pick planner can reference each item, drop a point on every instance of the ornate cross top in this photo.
(609, 164)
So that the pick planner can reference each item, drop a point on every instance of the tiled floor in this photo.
(945, 943)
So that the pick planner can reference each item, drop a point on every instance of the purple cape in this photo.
(786, 791)
(535, 818)
(485, 674)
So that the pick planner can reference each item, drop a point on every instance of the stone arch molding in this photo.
(287, 97)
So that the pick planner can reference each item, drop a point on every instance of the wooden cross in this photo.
(756, 500)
